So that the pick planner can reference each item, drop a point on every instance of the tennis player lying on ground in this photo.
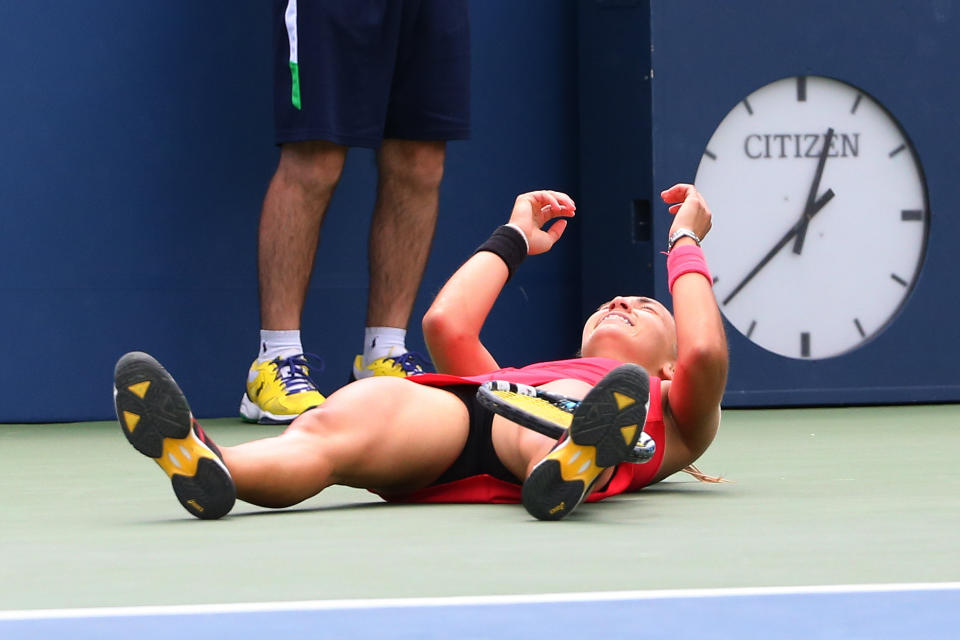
(427, 438)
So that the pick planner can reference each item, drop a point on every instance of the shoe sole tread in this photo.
(156, 419)
(604, 431)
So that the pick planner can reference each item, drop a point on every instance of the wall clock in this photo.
(824, 216)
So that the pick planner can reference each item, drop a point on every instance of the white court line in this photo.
(453, 601)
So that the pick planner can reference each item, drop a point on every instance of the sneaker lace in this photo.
(293, 374)
(413, 363)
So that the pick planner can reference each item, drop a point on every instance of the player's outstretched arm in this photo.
(452, 324)
(700, 373)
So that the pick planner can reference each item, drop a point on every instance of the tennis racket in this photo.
(545, 412)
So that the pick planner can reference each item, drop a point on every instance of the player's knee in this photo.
(355, 415)
(320, 422)
(333, 438)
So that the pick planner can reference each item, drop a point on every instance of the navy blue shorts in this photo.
(355, 72)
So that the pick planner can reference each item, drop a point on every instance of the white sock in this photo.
(381, 342)
(279, 344)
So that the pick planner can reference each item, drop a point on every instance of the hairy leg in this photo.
(401, 232)
(290, 222)
(378, 433)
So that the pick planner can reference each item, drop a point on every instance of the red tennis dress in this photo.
(487, 489)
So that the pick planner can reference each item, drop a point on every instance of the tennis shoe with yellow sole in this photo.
(156, 419)
(279, 390)
(409, 363)
(603, 433)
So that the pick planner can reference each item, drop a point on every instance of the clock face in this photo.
(820, 216)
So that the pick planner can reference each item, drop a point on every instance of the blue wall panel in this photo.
(615, 151)
(136, 145)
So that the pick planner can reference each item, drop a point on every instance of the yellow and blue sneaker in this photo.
(605, 428)
(409, 363)
(279, 390)
(156, 419)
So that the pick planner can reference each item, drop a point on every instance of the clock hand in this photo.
(814, 188)
(794, 230)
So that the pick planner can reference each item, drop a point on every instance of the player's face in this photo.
(633, 329)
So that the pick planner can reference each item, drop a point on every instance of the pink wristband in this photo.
(686, 259)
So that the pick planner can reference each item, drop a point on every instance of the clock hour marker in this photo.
(856, 103)
(801, 88)
(716, 279)
(805, 344)
(746, 103)
(911, 215)
(897, 150)
(709, 154)
(898, 279)
(856, 321)
(753, 325)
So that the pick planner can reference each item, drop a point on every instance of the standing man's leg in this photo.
(333, 66)
(429, 105)
(278, 385)
(290, 222)
(401, 233)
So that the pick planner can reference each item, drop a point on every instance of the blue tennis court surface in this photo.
(845, 611)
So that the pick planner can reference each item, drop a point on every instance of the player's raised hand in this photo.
(533, 210)
(689, 208)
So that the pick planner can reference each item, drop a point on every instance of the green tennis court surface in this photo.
(818, 497)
